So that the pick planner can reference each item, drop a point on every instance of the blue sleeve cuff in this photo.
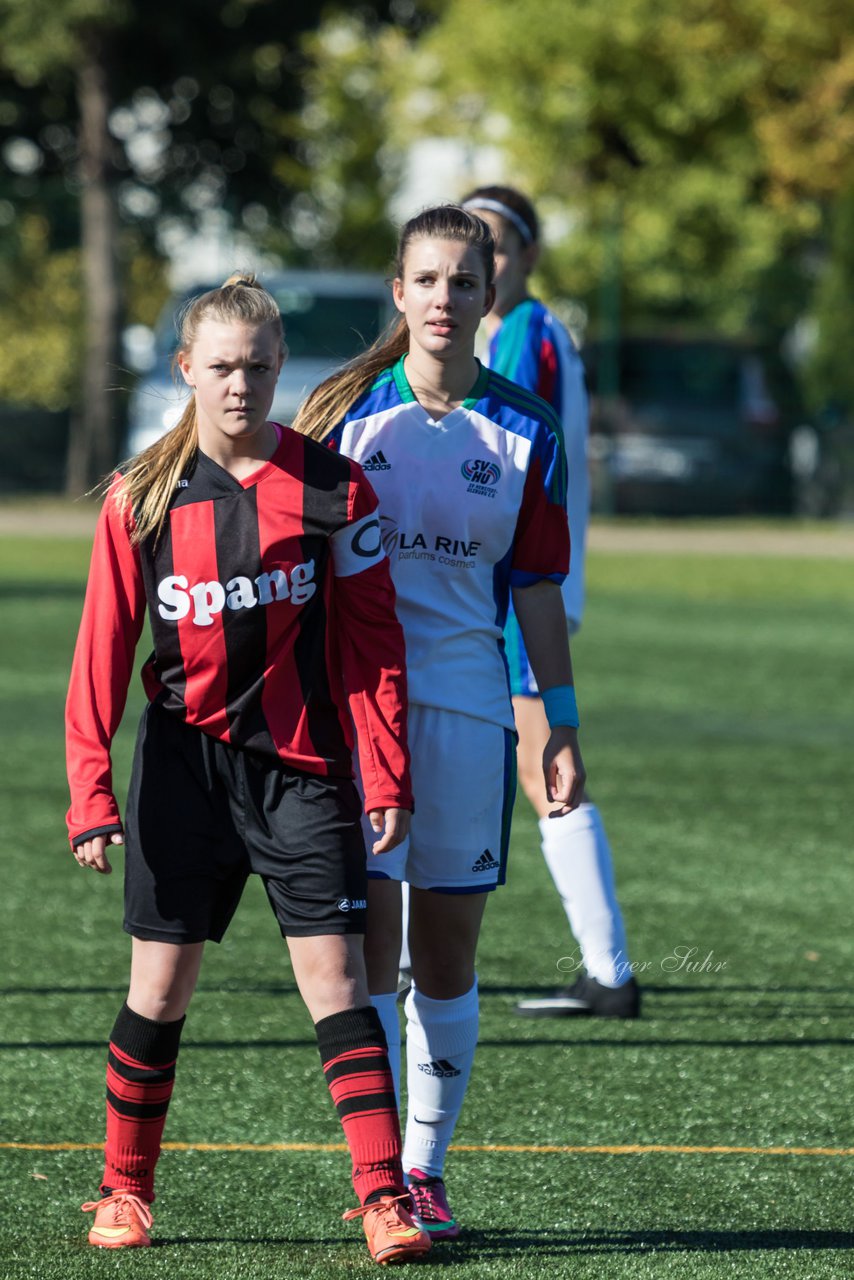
(519, 578)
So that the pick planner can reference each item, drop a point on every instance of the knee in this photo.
(158, 1005)
(161, 996)
(443, 975)
(163, 978)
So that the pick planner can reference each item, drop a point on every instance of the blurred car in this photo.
(691, 427)
(329, 317)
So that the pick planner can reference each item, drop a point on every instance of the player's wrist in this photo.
(560, 706)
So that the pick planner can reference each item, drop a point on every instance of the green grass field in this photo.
(717, 697)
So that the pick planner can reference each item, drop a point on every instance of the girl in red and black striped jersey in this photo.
(256, 554)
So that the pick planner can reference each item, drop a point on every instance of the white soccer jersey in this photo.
(470, 505)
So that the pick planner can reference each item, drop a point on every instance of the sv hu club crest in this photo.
(481, 471)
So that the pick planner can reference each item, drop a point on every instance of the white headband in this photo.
(504, 210)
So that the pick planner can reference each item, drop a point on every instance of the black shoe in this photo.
(586, 997)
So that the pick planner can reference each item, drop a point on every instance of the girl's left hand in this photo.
(394, 823)
(564, 770)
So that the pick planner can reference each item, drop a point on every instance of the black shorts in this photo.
(202, 815)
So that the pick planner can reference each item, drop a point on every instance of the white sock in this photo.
(441, 1036)
(576, 850)
(386, 1007)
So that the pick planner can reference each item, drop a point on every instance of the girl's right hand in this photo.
(391, 825)
(93, 853)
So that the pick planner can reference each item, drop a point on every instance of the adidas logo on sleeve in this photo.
(376, 462)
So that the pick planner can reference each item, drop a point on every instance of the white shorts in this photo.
(464, 783)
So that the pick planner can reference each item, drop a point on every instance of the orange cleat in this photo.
(121, 1221)
(391, 1233)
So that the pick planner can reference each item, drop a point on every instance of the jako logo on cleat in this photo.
(442, 1068)
(485, 862)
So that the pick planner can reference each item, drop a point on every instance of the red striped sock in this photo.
(140, 1078)
(354, 1054)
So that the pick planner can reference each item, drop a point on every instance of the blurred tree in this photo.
(41, 318)
(718, 128)
(146, 117)
(802, 103)
(830, 369)
(342, 165)
(42, 314)
(39, 38)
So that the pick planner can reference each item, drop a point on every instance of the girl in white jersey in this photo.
(528, 344)
(471, 478)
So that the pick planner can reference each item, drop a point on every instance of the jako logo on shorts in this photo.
(352, 904)
(207, 599)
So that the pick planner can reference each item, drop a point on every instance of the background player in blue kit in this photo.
(256, 554)
(471, 478)
(528, 344)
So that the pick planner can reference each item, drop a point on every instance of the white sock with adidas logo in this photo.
(441, 1037)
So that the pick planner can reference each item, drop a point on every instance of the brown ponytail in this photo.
(151, 478)
(326, 405)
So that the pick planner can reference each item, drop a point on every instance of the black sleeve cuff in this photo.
(95, 831)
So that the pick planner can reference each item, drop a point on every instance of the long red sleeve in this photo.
(372, 650)
(113, 615)
(373, 660)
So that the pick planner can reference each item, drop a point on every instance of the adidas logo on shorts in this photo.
(485, 862)
(376, 462)
(441, 1068)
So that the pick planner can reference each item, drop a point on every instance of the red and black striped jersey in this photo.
(272, 611)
